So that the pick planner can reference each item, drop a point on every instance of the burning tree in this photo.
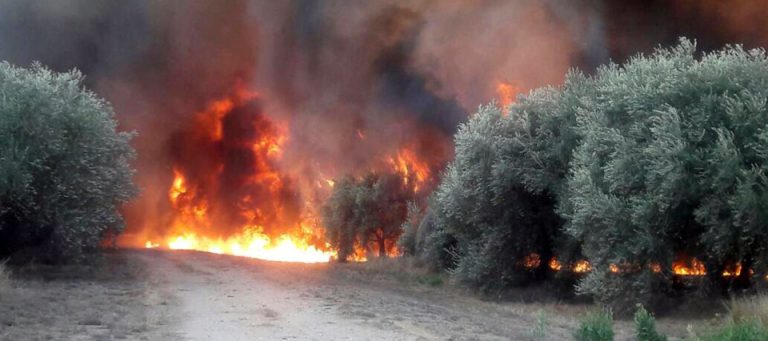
(365, 215)
(64, 167)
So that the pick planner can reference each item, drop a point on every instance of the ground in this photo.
(160, 295)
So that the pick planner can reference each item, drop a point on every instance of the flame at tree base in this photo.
(252, 244)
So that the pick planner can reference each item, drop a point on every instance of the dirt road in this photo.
(231, 298)
(163, 295)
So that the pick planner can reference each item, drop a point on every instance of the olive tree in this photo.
(672, 160)
(367, 212)
(64, 166)
(498, 197)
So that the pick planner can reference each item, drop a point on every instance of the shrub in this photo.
(749, 308)
(645, 326)
(597, 326)
(748, 330)
(64, 167)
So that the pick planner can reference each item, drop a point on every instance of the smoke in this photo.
(348, 83)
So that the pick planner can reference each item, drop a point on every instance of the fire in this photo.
(532, 261)
(732, 271)
(411, 167)
(688, 267)
(554, 264)
(683, 266)
(614, 268)
(236, 201)
(178, 188)
(506, 93)
(252, 243)
(580, 266)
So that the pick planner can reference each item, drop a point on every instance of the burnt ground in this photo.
(157, 295)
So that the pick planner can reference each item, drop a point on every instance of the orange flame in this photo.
(581, 266)
(411, 167)
(195, 228)
(554, 264)
(252, 243)
(506, 93)
(688, 267)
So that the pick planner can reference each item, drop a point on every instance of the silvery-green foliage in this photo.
(407, 241)
(672, 159)
(497, 197)
(340, 219)
(366, 212)
(64, 167)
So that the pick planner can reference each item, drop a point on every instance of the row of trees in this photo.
(64, 167)
(627, 168)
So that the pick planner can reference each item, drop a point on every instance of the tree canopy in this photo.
(64, 167)
(367, 213)
(631, 168)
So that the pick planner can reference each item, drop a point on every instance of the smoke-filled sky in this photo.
(350, 81)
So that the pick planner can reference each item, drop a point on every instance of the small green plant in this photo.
(745, 330)
(433, 280)
(645, 326)
(597, 326)
(539, 330)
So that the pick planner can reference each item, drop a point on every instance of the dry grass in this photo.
(749, 308)
(108, 299)
(406, 270)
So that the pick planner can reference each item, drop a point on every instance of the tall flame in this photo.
(406, 163)
(237, 204)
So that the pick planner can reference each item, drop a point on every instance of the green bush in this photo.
(645, 326)
(64, 167)
(597, 326)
